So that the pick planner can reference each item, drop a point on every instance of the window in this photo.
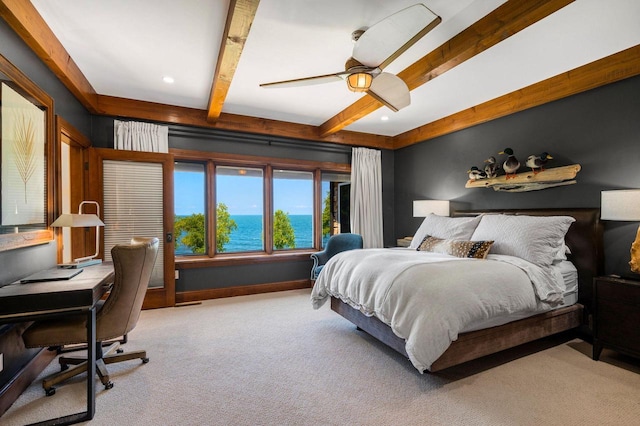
(292, 209)
(133, 206)
(235, 205)
(239, 209)
(190, 227)
(335, 204)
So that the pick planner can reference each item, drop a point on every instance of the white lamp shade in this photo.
(77, 220)
(623, 205)
(422, 208)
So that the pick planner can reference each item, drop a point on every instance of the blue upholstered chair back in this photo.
(336, 244)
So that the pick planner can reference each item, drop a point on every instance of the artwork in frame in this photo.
(23, 160)
(27, 166)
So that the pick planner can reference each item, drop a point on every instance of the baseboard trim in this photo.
(21, 381)
(217, 293)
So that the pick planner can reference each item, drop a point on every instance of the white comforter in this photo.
(428, 298)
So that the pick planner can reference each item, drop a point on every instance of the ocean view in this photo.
(248, 235)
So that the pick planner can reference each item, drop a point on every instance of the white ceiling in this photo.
(124, 48)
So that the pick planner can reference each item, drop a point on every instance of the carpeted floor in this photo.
(271, 360)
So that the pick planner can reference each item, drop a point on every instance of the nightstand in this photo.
(616, 319)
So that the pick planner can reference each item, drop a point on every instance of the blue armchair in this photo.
(336, 244)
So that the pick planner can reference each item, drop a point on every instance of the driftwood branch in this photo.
(529, 181)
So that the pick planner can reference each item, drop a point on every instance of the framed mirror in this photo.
(26, 160)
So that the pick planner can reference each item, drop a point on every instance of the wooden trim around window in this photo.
(267, 164)
(242, 258)
(251, 160)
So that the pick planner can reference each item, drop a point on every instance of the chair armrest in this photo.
(320, 257)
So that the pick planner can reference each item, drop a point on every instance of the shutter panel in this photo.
(133, 207)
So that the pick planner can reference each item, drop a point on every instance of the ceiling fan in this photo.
(374, 49)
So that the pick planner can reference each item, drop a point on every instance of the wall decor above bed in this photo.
(529, 181)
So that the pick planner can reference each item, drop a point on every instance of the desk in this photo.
(49, 299)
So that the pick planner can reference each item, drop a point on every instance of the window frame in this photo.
(314, 212)
(206, 207)
(268, 164)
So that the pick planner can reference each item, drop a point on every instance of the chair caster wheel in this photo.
(145, 360)
(50, 391)
(119, 350)
(108, 385)
(64, 367)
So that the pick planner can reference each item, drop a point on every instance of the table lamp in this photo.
(81, 220)
(422, 208)
(624, 205)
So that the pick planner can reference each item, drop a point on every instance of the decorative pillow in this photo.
(458, 248)
(454, 228)
(537, 239)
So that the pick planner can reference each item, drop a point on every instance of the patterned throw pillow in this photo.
(458, 248)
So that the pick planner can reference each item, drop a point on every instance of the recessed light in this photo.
(384, 118)
(168, 79)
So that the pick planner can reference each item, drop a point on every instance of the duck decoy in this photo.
(492, 167)
(537, 162)
(475, 173)
(511, 164)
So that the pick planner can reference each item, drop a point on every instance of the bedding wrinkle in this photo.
(426, 298)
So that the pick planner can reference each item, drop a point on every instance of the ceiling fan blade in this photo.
(391, 90)
(382, 43)
(308, 81)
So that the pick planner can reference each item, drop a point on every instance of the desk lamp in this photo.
(624, 205)
(82, 220)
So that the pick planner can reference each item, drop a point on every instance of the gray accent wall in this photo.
(15, 264)
(66, 105)
(598, 129)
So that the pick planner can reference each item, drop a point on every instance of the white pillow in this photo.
(563, 251)
(537, 239)
(447, 228)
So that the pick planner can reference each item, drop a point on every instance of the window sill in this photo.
(188, 262)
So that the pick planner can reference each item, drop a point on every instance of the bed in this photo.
(583, 241)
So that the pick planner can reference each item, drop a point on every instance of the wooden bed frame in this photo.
(584, 239)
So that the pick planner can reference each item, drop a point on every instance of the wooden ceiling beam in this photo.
(120, 107)
(505, 21)
(25, 20)
(616, 67)
(239, 19)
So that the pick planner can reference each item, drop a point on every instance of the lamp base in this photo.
(81, 264)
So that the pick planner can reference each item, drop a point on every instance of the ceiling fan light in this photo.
(359, 81)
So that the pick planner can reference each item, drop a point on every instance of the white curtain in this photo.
(137, 136)
(366, 196)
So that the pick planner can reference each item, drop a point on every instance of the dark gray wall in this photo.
(15, 264)
(598, 129)
(66, 105)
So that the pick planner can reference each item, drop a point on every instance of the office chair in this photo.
(115, 317)
(335, 244)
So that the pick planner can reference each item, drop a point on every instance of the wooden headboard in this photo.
(584, 239)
